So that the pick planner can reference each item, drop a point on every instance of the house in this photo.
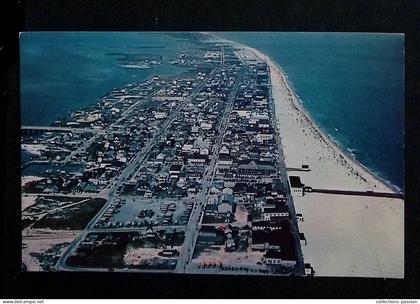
(275, 213)
(272, 257)
(285, 257)
(209, 235)
(160, 115)
(309, 270)
(197, 159)
(296, 185)
(225, 210)
(224, 162)
(210, 210)
(262, 137)
(189, 149)
(230, 245)
(288, 255)
(163, 177)
(302, 239)
(194, 174)
(262, 240)
(175, 170)
(206, 126)
(266, 225)
(224, 150)
(255, 168)
(278, 190)
(226, 207)
(243, 113)
(266, 239)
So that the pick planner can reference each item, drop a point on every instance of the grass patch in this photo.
(72, 218)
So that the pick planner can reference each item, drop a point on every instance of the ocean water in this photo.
(64, 71)
(351, 84)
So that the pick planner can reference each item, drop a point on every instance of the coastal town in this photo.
(193, 173)
(181, 174)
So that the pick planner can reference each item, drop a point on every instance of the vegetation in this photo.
(72, 218)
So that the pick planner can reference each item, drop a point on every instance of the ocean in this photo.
(352, 85)
(64, 71)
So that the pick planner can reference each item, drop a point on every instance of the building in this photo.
(160, 115)
(226, 207)
(255, 168)
(296, 185)
(302, 239)
(210, 210)
(265, 240)
(272, 257)
(175, 170)
(266, 225)
(197, 159)
(209, 235)
(275, 213)
(279, 257)
(278, 190)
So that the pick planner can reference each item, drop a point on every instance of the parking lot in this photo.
(140, 212)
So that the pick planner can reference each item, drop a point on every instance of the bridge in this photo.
(359, 193)
(37, 129)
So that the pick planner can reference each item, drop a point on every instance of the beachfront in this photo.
(346, 235)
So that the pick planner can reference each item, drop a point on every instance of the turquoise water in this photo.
(352, 85)
(63, 71)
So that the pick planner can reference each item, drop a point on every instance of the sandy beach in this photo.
(28, 201)
(30, 178)
(39, 241)
(352, 236)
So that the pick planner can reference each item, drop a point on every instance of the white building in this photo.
(296, 185)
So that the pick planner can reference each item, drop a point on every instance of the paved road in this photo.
(300, 266)
(196, 216)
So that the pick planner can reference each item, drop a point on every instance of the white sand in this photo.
(28, 201)
(347, 235)
(241, 216)
(139, 256)
(249, 257)
(34, 148)
(30, 178)
(353, 236)
(39, 241)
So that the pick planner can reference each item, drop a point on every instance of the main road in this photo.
(194, 224)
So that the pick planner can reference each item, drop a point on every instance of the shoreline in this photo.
(325, 137)
(347, 236)
(335, 143)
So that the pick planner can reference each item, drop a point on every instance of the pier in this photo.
(359, 193)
